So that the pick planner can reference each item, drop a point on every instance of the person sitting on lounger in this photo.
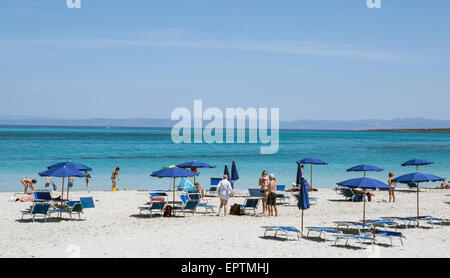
(27, 182)
(444, 185)
(200, 189)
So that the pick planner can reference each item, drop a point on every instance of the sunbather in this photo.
(444, 185)
(27, 182)
(200, 189)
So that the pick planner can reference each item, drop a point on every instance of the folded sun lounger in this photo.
(285, 230)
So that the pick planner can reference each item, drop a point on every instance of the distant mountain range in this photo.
(370, 124)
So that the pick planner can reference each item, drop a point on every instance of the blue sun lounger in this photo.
(448, 203)
(311, 199)
(37, 209)
(383, 223)
(72, 207)
(158, 206)
(285, 230)
(323, 231)
(196, 197)
(42, 196)
(386, 234)
(350, 224)
(250, 204)
(188, 205)
(433, 221)
(87, 202)
(359, 239)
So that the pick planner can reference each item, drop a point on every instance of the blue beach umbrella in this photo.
(364, 184)
(63, 173)
(312, 161)
(234, 173)
(173, 172)
(417, 162)
(226, 172)
(417, 178)
(303, 197)
(364, 168)
(194, 165)
(72, 165)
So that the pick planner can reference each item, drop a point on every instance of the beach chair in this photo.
(250, 204)
(448, 203)
(350, 224)
(383, 223)
(212, 191)
(281, 196)
(87, 202)
(42, 196)
(386, 234)
(311, 199)
(188, 206)
(322, 231)
(285, 230)
(347, 193)
(412, 186)
(196, 197)
(71, 207)
(37, 209)
(433, 221)
(158, 206)
(358, 238)
(255, 193)
(157, 197)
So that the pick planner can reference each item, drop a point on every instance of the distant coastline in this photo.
(421, 130)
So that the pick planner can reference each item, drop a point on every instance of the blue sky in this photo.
(321, 59)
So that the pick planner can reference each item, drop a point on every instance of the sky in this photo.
(318, 60)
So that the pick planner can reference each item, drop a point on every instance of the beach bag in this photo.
(168, 211)
(235, 209)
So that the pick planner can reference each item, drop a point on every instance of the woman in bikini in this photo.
(27, 182)
(264, 184)
(115, 175)
(392, 185)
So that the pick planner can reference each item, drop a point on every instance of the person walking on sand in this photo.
(264, 184)
(115, 175)
(28, 183)
(392, 185)
(272, 197)
(224, 190)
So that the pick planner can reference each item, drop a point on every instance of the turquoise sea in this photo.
(26, 151)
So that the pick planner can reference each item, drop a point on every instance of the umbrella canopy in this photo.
(195, 164)
(234, 172)
(303, 198)
(72, 165)
(364, 184)
(364, 168)
(312, 161)
(417, 178)
(173, 172)
(417, 162)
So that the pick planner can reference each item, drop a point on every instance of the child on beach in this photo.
(272, 197)
(27, 182)
(115, 175)
(391, 184)
(264, 184)
(224, 189)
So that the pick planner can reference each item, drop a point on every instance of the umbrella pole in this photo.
(311, 177)
(68, 188)
(173, 200)
(62, 196)
(364, 206)
(302, 221)
(417, 204)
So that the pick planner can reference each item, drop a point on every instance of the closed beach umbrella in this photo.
(417, 178)
(303, 198)
(312, 161)
(72, 165)
(365, 168)
(364, 184)
(193, 165)
(417, 162)
(173, 172)
(226, 172)
(62, 172)
(234, 173)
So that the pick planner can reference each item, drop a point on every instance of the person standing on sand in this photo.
(391, 184)
(224, 189)
(264, 184)
(115, 175)
(27, 182)
(88, 178)
(272, 197)
(48, 181)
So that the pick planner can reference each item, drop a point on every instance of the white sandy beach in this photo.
(115, 229)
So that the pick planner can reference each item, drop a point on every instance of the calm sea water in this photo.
(26, 151)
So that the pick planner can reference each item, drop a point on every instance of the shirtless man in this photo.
(27, 182)
(272, 197)
(264, 184)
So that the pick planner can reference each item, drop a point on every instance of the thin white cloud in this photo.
(281, 47)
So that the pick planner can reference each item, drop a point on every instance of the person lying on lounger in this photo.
(444, 185)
